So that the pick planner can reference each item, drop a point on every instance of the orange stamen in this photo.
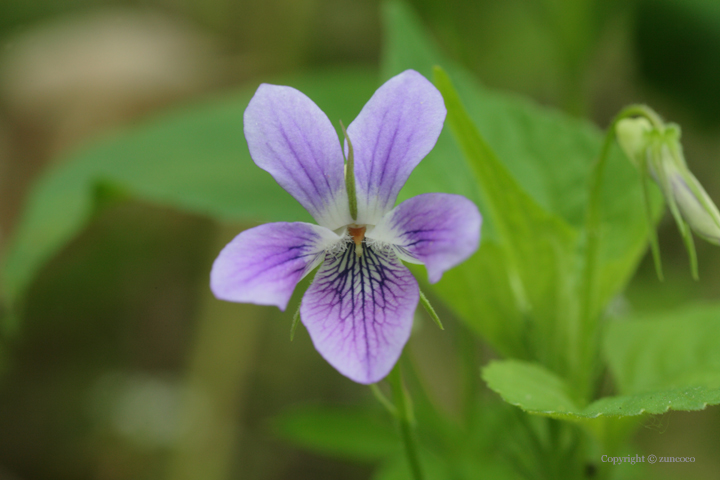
(357, 234)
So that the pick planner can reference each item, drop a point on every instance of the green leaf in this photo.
(549, 155)
(537, 390)
(529, 386)
(479, 292)
(339, 432)
(542, 266)
(668, 350)
(194, 159)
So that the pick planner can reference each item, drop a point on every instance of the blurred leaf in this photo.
(537, 390)
(548, 154)
(479, 292)
(339, 432)
(666, 350)
(193, 159)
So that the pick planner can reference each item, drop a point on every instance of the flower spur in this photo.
(360, 305)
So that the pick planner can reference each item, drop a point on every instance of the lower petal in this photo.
(359, 311)
(262, 265)
(439, 230)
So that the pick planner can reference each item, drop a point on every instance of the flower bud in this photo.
(660, 148)
(632, 135)
(693, 203)
(655, 150)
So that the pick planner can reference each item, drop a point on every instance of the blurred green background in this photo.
(122, 365)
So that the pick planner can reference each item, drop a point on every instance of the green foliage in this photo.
(533, 169)
(660, 363)
(551, 258)
(518, 289)
(537, 269)
(466, 452)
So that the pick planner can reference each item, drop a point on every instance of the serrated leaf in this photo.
(348, 433)
(537, 390)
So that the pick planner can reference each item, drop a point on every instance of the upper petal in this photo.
(394, 131)
(293, 140)
(262, 265)
(438, 229)
(359, 312)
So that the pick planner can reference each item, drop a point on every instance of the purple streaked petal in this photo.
(293, 140)
(397, 127)
(359, 312)
(438, 229)
(262, 265)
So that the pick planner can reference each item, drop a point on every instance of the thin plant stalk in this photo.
(586, 332)
(405, 418)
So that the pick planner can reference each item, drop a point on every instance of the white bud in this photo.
(667, 166)
(695, 206)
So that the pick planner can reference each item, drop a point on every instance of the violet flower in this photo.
(360, 305)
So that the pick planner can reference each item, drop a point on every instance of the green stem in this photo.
(383, 399)
(592, 225)
(405, 418)
(585, 350)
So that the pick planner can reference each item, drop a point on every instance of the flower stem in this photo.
(383, 399)
(405, 418)
(585, 343)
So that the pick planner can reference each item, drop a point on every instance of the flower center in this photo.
(357, 232)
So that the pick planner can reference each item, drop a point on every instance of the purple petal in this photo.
(359, 312)
(394, 131)
(437, 229)
(293, 140)
(262, 265)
